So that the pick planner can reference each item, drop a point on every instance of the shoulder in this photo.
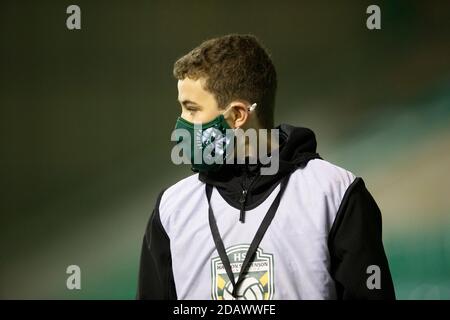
(320, 179)
(178, 195)
(182, 187)
(320, 187)
(325, 175)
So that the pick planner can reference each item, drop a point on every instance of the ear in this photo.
(238, 114)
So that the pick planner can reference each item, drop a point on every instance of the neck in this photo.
(268, 141)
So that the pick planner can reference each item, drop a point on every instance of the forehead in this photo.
(193, 90)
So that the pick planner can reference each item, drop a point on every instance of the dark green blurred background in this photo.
(86, 118)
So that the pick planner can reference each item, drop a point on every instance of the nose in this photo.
(186, 116)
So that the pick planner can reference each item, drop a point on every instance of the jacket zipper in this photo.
(243, 198)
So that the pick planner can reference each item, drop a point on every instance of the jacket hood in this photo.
(298, 146)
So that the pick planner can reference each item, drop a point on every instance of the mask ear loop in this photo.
(250, 109)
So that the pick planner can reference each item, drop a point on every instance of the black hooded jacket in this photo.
(354, 240)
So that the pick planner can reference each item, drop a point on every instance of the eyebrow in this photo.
(185, 102)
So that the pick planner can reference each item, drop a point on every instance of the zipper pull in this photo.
(242, 200)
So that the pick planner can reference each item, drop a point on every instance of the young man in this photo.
(309, 231)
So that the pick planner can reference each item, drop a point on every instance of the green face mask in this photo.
(210, 143)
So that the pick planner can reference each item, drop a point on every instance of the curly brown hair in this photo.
(235, 67)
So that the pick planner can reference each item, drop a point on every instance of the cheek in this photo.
(203, 117)
(209, 115)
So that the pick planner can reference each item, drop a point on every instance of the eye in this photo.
(191, 110)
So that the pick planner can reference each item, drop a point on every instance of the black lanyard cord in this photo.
(255, 242)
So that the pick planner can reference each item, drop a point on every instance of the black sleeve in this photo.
(155, 280)
(355, 243)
